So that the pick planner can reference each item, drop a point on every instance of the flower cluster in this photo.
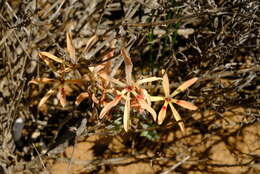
(130, 91)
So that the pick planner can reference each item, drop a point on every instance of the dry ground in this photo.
(217, 41)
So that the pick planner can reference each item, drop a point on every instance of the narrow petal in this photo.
(162, 113)
(48, 62)
(186, 104)
(45, 98)
(177, 117)
(49, 55)
(81, 97)
(109, 106)
(156, 98)
(119, 83)
(166, 86)
(146, 80)
(128, 66)
(184, 86)
(126, 118)
(43, 80)
(62, 96)
(70, 47)
(147, 107)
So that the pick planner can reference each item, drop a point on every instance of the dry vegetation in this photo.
(216, 41)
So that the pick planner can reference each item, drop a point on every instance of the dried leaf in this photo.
(43, 80)
(62, 96)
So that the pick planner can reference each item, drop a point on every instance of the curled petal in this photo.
(184, 86)
(49, 55)
(126, 118)
(162, 113)
(186, 104)
(109, 106)
(43, 80)
(147, 107)
(128, 66)
(146, 80)
(45, 98)
(70, 47)
(177, 117)
(166, 86)
(81, 97)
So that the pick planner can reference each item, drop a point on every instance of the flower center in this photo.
(129, 88)
(168, 99)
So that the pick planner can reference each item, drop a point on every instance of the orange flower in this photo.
(168, 100)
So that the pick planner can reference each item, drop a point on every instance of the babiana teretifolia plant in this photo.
(130, 92)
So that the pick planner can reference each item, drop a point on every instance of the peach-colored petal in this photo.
(43, 80)
(81, 97)
(166, 86)
(49, 55)
(162, 113)
(48, 62)
(62, 96)
(128, 66)
(45, 98)
(110, 105)
(149, 79)
(186, 104)
(119, 83)
(184, 86)
(70, 47)
(177, 117)
(147, 107)
(126, 118)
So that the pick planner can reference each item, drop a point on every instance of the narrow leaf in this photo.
(62, 96)
(43, 80)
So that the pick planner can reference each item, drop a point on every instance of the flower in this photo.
(169, 99)
(130, 87)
